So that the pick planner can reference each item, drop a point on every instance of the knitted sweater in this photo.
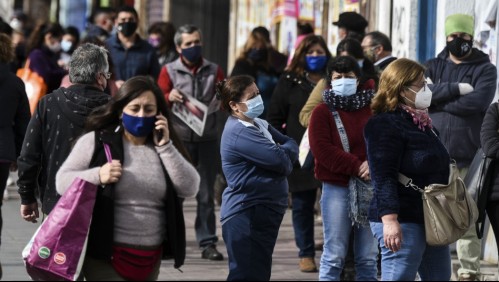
(140, 193)
(395, 144)
(332, 163)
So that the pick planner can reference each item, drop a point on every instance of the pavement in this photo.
(16, 233)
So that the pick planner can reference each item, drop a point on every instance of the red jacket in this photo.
(332, 163)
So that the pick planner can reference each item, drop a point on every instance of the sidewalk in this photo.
(16, 233)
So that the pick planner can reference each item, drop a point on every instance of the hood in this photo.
(476, 56)
(77, 101)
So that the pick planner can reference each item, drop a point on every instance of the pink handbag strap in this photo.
(107, 149)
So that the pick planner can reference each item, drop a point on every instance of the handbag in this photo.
(305, 156)
(35, 85)
(360, 192)
(57, 249)
(478, 181)
(449, 210)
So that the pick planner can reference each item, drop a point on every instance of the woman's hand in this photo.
(392, 232)
(161, 133)
(364, 171)
(110, 172)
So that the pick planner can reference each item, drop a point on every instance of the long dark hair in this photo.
(37, 37)
(299, 62)
(107, 117)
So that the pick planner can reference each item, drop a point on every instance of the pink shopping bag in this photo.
(57, 249)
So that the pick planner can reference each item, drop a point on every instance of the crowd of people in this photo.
(366, 115)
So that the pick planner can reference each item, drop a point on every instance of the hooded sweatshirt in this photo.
(57, 122)
(457, 117)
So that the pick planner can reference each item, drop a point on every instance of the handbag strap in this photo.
(107, 150)
(341, 131)
(407, 182)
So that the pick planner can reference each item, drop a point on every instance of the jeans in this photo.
(415, 256)
(303, 221)
(337, 228)
(250, 238)
(203, 155)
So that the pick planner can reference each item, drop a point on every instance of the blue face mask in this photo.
(257, 55)
(139, 126)
(344, 86)
(315, 63)
(192, 54)
(255, 107)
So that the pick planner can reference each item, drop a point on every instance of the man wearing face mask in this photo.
(130, 54)
(56, 123)
(463, 82)
(378, 49)
(194, 77)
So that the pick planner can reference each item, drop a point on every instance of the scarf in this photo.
(419, 117)
(348, 103)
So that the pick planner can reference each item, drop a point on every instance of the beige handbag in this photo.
(449, 210)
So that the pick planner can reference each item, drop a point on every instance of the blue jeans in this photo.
(415, 256)
(203, 156)
(303, 221)
(250, 238)
(337, 228)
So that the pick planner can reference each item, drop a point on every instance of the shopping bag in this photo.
(57, 249)
(305, 156)
(35, 86)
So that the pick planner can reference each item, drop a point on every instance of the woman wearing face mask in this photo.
(400, 138)
(70, 41)
(43, 49)
(255, 60)
(334, 167)
(161, 37)
(256, 158)
(138, 214)
(307, 67)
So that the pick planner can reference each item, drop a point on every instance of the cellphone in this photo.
(159, 134)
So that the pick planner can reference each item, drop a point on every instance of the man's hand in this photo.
(30, 212)
(175, 96)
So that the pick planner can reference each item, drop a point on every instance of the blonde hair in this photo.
(399, 74)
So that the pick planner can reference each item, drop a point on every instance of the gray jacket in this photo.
(201, 86)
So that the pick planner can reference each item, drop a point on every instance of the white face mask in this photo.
(56, 47)
(344, 86)
(423, 97)
(66, 45)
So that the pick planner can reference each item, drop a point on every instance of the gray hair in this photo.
(87, 62)
(189, 29)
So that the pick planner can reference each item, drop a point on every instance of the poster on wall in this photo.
(306, 10)
(401, 29)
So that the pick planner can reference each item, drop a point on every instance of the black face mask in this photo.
(127, 28)
(459, 47)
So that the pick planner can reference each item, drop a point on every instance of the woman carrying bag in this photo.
(138, 216)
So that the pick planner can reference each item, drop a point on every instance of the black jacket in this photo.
(100, 239)
(14, 114)
(458, 117)
(289, 97)
(490, 144)
(56, 123)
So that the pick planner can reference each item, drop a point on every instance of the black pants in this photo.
(492, 210)
(4, 175)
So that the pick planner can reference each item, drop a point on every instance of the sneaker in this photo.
(211, 253)
(307, 265)
(467, 277)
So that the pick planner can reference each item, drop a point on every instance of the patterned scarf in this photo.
(419, 117)
(348, 103)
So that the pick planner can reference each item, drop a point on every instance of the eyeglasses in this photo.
(107, 75)
(423, 87)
